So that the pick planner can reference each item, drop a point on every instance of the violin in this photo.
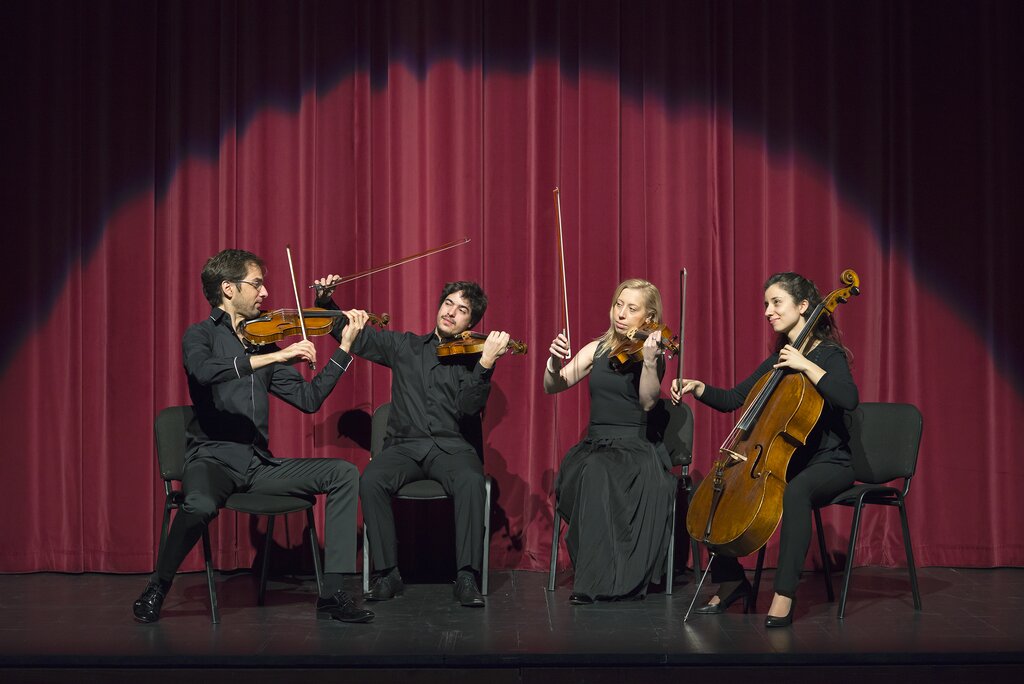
(469, 342)
(631, 349)
(282, 323)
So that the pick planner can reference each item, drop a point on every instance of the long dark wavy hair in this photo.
(800, 288)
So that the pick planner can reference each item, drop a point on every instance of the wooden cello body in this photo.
(737, 508)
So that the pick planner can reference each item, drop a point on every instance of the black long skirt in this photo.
(616, 495)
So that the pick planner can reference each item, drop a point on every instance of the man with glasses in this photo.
(230, 381)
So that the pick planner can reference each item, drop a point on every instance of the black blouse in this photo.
(829, 441)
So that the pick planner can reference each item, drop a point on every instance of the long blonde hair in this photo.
(652, 304)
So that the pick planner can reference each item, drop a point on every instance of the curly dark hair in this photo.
(800, 288)
(472, 293)
(230, 265)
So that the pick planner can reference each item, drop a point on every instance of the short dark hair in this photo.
(472, 293)
(229, 264)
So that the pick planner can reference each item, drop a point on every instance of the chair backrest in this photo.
(169, 430)
(884, 441)
(672, 425)
(378, 429)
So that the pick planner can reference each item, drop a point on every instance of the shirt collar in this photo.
(221, 317)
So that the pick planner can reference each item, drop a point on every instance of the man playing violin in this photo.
(229, 381)
(431, 399)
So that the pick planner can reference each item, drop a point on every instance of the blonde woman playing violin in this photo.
(614, 488)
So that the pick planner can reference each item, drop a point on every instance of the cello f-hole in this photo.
(755, 467)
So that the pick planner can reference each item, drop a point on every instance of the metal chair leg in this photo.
(265, 565)
(556, 532)
(854, 530)
(164, 525)
(695, 552)
(366, 559)
(210, 584)
(910, 555)
(314, 544)
(757, 577)
(487, 537)
(670, 563)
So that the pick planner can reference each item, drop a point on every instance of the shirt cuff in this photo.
(483, 373)
(341, 358)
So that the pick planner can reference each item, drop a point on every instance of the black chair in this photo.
(169, 430)
(422, 490)
(672, 425)
(884, 443)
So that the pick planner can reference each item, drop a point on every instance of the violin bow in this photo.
(298, 304)
(561, 267)
(392, 264)
(682, 322)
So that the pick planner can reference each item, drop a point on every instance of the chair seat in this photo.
(872, 492)
(422, 489)
(268, 504)
(169, 431)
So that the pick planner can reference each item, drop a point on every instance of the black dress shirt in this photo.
(231, 400)
(434, 401)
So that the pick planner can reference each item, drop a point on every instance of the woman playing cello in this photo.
(818, 470)
(614, 488)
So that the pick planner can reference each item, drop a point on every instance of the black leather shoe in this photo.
(466, 592)
(340, 606)
(783, 621)
(385, 587)
(147, 607)
(743, 591)
(580, 599)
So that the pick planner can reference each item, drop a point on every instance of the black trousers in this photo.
(208, 483)
(460, 474)
(815, 485)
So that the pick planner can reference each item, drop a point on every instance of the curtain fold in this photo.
(735, 139)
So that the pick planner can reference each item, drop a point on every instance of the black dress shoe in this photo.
(580, 599)
(783, 621)
(147, 607)
(385, 587)
(466, 592)
(340, 606)
(743, 591)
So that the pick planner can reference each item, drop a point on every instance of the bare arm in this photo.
(651, 374)
(560, 379)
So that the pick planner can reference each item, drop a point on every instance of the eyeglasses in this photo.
(257, 284)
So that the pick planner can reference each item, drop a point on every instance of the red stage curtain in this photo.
(736, 139)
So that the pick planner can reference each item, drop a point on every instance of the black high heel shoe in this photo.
(783, 621)
(743, 591)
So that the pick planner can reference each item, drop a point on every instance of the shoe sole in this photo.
(328, 616)
(370, 597)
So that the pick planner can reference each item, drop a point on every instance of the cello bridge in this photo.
(734, 455)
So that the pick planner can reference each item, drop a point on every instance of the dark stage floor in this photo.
(58, 628)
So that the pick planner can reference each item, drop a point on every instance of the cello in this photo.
(737, 509)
